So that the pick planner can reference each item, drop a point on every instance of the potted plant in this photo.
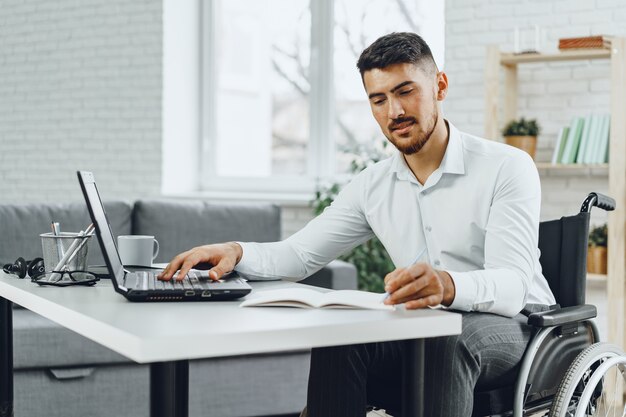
(522, 134)
(597, 253)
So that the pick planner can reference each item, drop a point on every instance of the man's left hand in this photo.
(419, 286)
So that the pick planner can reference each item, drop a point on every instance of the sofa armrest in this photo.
(337, 275)
(560, 316)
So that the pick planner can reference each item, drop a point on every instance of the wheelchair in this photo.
(566, 371)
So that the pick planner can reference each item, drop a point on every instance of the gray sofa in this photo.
(59, 373)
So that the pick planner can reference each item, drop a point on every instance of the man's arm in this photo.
(339, 228)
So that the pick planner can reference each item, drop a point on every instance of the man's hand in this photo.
(222, 256)
(419, 286)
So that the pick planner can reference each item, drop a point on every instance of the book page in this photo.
(287, 297)
(354, 299)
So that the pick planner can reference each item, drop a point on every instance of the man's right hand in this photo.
(223, 257)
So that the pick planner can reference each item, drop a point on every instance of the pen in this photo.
(86, 236)
(417, 258)
(56, 231)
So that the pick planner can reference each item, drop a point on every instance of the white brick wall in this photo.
(553, 93)
(80, 88)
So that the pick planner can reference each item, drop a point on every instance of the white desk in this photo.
(167, 335)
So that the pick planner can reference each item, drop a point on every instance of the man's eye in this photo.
(378, 102)
(405, 92)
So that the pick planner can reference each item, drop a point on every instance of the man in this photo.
(459, 216)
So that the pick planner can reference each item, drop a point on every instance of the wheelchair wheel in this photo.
(592, 386)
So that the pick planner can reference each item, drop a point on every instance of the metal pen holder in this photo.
(55, 247)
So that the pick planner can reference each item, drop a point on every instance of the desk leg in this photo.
(6, 358)
(413, 379)
(169, 389)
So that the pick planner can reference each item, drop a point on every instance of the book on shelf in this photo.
(593, 149)
(307, 298)
(572, 142)
(586, 42)
(601, 148)
(560, 145)
(584, 139)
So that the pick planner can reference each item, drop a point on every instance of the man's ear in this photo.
(442, 85)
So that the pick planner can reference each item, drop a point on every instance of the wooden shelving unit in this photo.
(616, 168)
(571, 167)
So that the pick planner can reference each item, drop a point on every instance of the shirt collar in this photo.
(452, 162)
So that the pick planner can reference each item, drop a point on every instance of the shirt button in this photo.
(437, 262)
(428, 228)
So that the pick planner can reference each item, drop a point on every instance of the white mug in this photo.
(137, 250)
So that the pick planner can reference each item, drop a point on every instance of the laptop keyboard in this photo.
(145, 280)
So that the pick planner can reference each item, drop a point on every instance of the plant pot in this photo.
(597, 260)
(526, 143)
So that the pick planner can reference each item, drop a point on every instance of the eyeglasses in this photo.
(66, 278)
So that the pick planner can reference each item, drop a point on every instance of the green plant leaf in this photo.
(521, 127)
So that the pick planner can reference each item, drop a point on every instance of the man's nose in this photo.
(395, 109)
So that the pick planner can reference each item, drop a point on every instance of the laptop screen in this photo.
(100, 221)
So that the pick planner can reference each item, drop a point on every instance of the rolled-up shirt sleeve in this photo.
(341, 227)
(510, 244)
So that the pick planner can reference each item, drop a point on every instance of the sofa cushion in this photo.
(121, 391)
(21, 226)
(181, 225)
(41, 343)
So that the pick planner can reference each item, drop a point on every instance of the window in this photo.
(283, 104)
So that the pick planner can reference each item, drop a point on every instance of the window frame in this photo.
(320, 148)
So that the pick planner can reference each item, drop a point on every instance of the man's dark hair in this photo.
(397, 48)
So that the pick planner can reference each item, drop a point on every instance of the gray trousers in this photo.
(343, 380)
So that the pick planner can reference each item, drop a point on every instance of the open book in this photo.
(306, 298)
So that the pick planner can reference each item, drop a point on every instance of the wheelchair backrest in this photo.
(563, 245)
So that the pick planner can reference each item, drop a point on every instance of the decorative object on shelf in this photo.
(527, 39)
(597, 250)
(586, 42)
(522, 134)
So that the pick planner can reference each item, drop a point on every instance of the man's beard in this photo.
(419, 141)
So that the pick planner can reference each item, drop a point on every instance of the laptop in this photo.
(143, 285)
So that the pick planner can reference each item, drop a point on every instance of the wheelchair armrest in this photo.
(563, 315)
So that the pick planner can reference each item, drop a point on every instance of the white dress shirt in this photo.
(476, 217)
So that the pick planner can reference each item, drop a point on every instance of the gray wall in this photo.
(80, 88)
